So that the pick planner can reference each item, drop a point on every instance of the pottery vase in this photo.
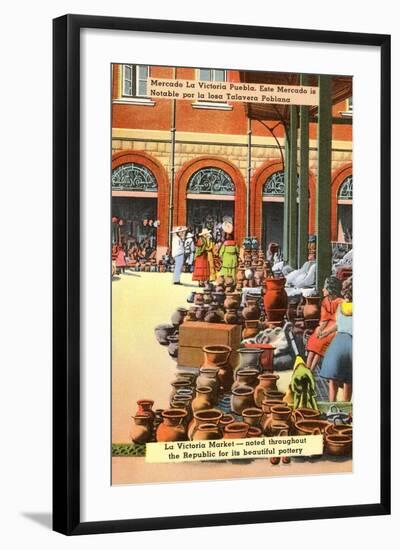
(172, 427)
(231, 317)
(279, 414)
(207, 432)
(213, 315)
(266, 382)
(145, 408)
(225, 377)
(242, 398)
(207, 416)
(252, 416)
(249, 357)
(208, 377)
(251, 311)
(267, 356)
(217, 355)
(275, 298)
(245, 377)
(178, 316)
(204, 399)
(236, 430)
(232, 300)
(162, 332)
(141, 429)
(251, 329)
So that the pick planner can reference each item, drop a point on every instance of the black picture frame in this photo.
(66, 273)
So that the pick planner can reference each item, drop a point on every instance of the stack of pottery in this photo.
(266, 383)
(275, 299)
(279, 420)
(231, 305)
(162, 332)
(181, 388)
(206, 416)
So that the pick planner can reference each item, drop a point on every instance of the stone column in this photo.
(303, 184)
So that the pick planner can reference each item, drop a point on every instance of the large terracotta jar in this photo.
(206, 432)
(265, 382)
(172, 427)
(236, 430)
(207, 416)
(311, 309)
(275, 298)
(242, 398)
(204, 399)
(141, 429)
(245, 377)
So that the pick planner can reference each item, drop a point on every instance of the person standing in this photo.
(178, 252)
(203, 269)
(120, 260)
(189, 251)
(229, 252)
(337, 365)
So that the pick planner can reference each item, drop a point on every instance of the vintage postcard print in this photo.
(231, 267)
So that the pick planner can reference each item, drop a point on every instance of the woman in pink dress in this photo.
(325, 332)
(120, 261)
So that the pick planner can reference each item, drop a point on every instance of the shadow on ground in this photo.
(45, 519)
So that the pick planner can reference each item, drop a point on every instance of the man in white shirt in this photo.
(178, 251)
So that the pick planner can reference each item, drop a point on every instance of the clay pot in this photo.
(279, 428)
(191, 314)
(178, 316)
(231, 317)
(280, 414)
(208, 377)
(274, 394)
(207, 297)
(267, 382)
(199, 299)
(172, 427)
(311, 310)
(204, 399)
(236, 430)
(251, 311)
(145, 408)
(207, 416)
(338, 444)
(245, 377)
(200, 313)
(187, 376)
(162, 332)
(252, 328)
(220, 280)
(206, 432)
(275, 298)
(249, 357)
(342, 429)
(254, 431)
(173, 346)
(267, 356)
(240, 276)
(311, 427)
(181, 384)
(242, 398)
(218, 297)
(216, 355)
(141, 429)
(305, 414)
(232, 300)
(225, 377)
(252, 416)
(213, 315)
(225, 420)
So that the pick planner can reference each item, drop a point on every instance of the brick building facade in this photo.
(183, 159)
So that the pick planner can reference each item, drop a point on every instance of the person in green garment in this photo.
(229, 252)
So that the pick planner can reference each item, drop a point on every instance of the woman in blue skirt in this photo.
(337, 365)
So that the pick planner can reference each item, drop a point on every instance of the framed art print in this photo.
(221, 274)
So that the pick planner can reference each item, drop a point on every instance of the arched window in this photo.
(275, 185)
(133, 177)
(211, 181)
(346, 189)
